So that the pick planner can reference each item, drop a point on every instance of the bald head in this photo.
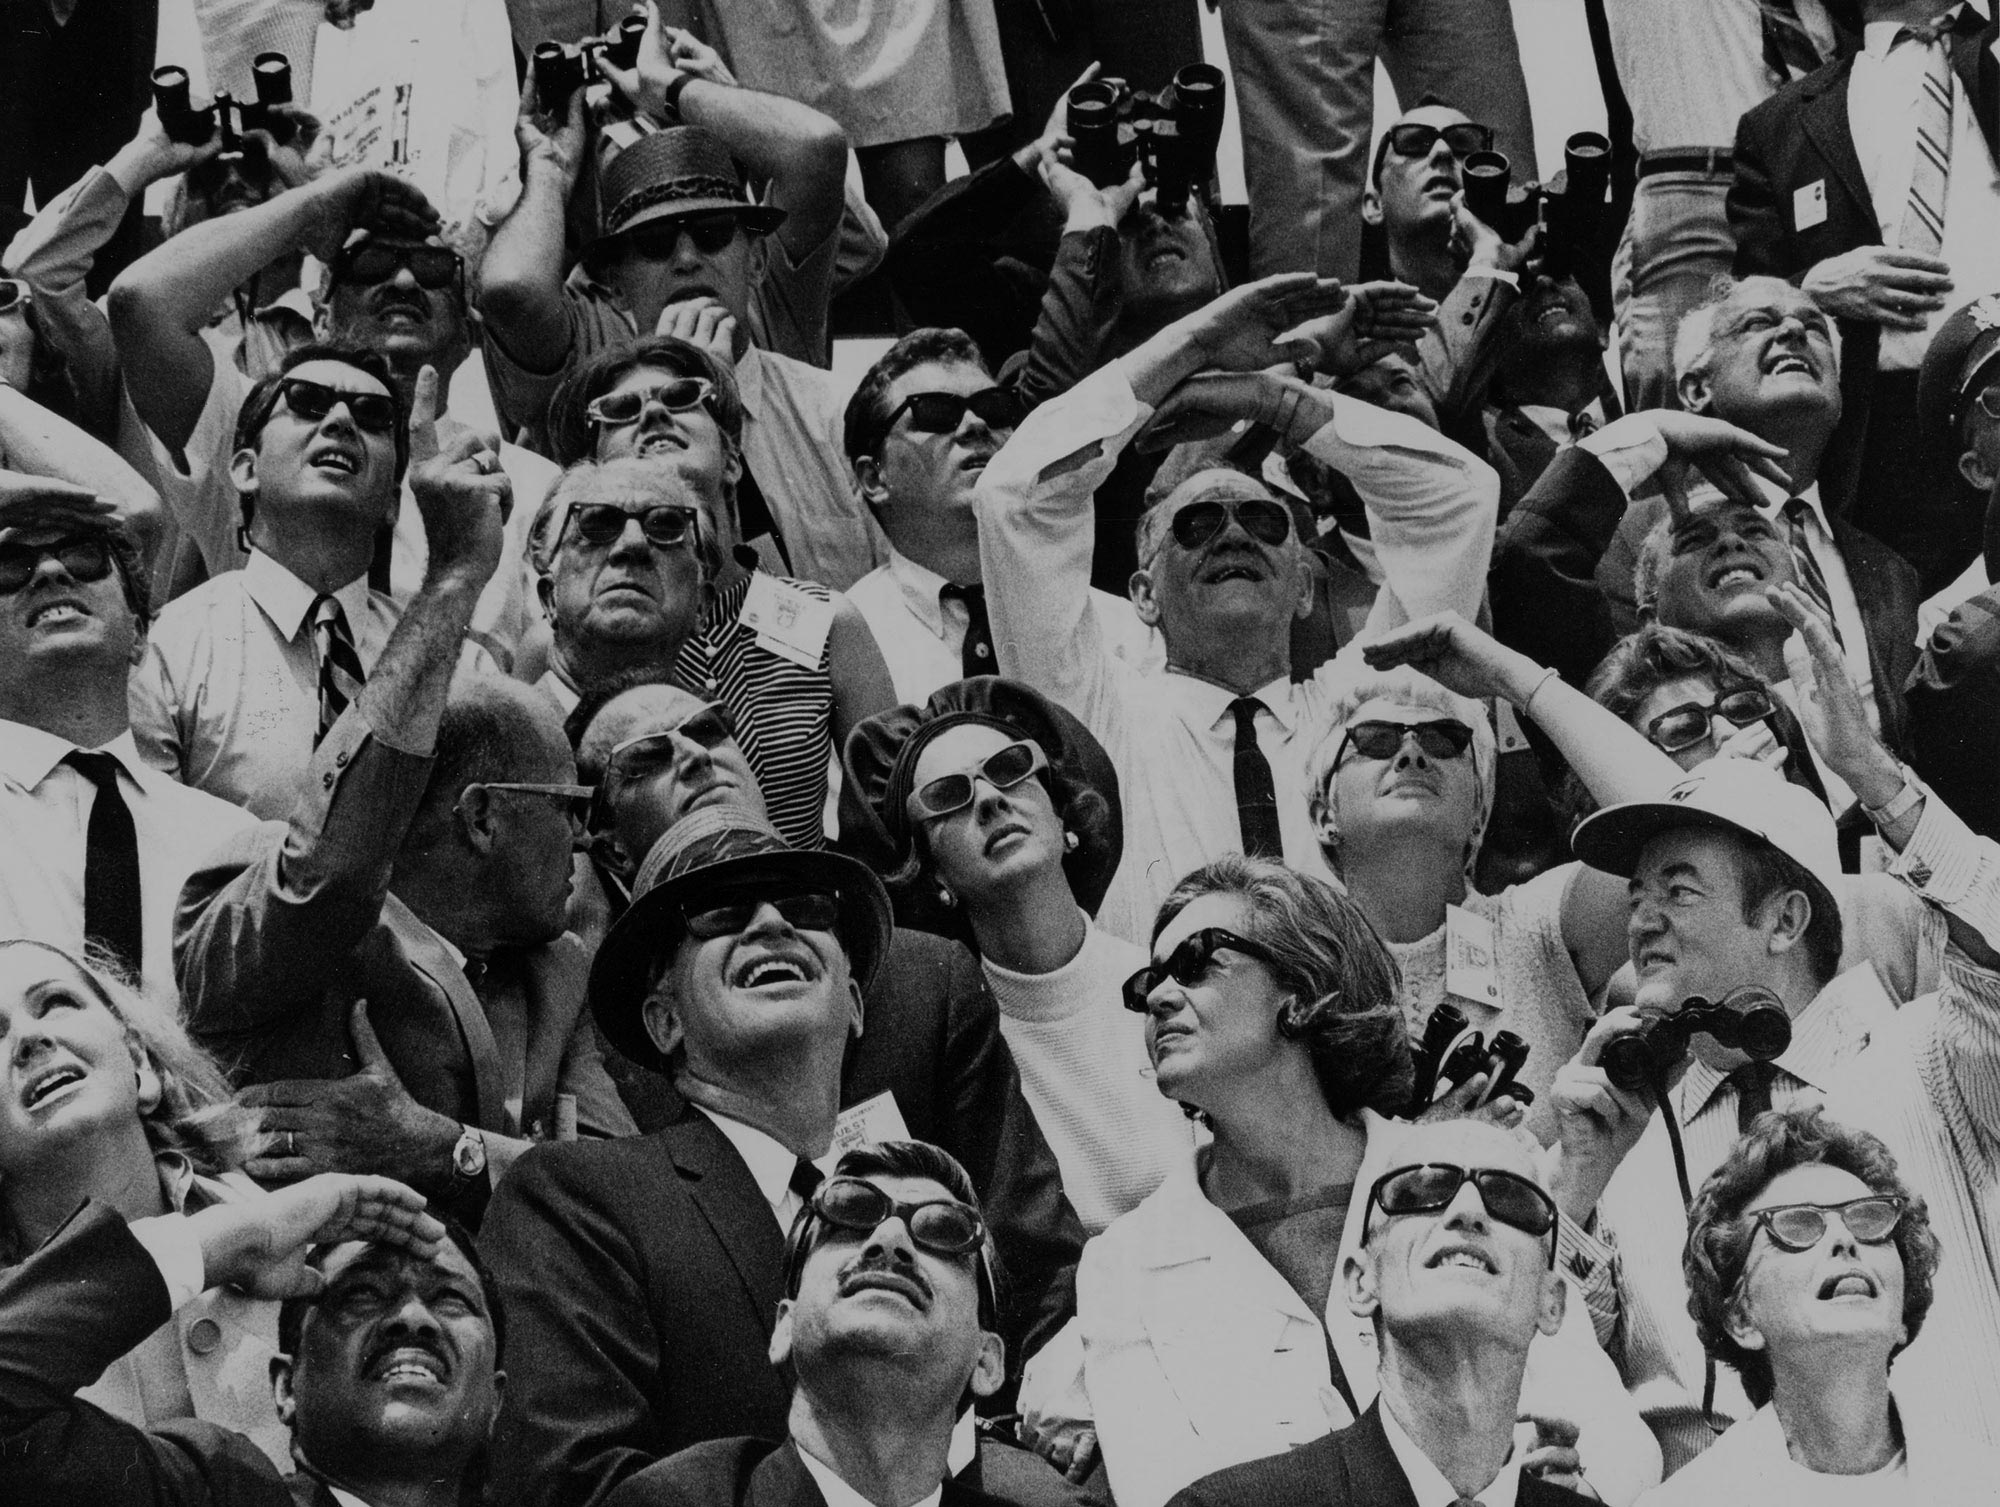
(493, 729)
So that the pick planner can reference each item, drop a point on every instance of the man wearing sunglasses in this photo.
(1210, 751)
(920, 428)
(887, 1325)
(388, 968)
(1455, 1268)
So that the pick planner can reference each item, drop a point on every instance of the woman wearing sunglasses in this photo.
(1211, 1326)
(997, 823)
(1809, 1265)
(1401, 794)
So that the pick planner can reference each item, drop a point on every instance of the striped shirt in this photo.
(783, 711)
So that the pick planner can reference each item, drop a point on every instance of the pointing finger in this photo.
(423, 416)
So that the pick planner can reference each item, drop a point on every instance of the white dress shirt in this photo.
(227, 698)
(839, 1494)
(1883, 95)
(44, 825)
(1427, 1483)
(770, 1162)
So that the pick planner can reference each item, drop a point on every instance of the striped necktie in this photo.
(1812, 580)
(1922, 229)
(340, 674)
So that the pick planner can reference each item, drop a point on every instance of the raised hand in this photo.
(1085, 206)
(1070, 1444)
(1376, 319)
(557, 144)
(461, 492)
(356, 197)
(1553, 1455)
(1879, 284)
(1212, 403)
(1241, 330)
(645, 83)
(259, 1245)
(1829, 706)
(1483, 244)
(1728, 456)
(1597, 1124)
(1458, 656)
(701, 321)
(45, 502)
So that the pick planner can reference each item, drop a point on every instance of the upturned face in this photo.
(334, 465)
(1721, 562)
(1212, 1040)
(1005, 837)
(1771, 363)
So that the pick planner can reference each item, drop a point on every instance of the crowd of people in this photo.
(1348, 854)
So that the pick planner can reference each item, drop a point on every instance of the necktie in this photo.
(1581, 423)
(805, 1179)
(1752, 1082)
(340, 674)
(976, 653)
(1812, 580)
(111, 914)
(1922, 229)
(1256, 792)
(1789, 50)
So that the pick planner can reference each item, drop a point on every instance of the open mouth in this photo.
(1789, 363)
(1852, 1284)
(410, 1363)
(1468, 1257)
(62, 610)
(1235, 568)
(659, 441)
(1736, 573)
(767, 972)
(878, 1279)
(46, 1085)
(335, 458)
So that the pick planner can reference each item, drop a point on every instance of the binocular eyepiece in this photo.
(271, 72)
(1749, 1019)
(560, 71)
(1571, 206)
(1450, 1054)
(1174, 133)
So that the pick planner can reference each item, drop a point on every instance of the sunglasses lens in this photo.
(86, 560)
(949, 1229)
(944, 795)
(1375, 740)
(1010, 765)
(1443, 740)
(598, 522)
(1139, 986)
(995, 408)
(1798, 1229)
(813, 911)
(709, 728)
(681, 394)
(1199, 522)
(1744, 707)
(853, 1204)
(1464, 140)
(1190, 961)
(12, 292)
(617, 407)
(1872, 1219)
(936, 412)
(1419, 1189)
(1412, 141)
(1516, 1201)
(1266, 522)
(1683, 727)
(666, 526)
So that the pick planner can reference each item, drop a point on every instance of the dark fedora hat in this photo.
(708, 849)
(682, 170)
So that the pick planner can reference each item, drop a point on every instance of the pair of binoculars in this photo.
(1749, 1019)
(1571, 206)
(1450, 1054)
(1174, 133)
(560, 71)
(272, 74)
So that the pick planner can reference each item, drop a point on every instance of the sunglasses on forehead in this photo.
(658, 239)
(13, 295)
(86, 560)
(665, 525)
(1684, 726)
(942, 412)
(1445, 738)
(1430, 1187)
(680, 395)
(1187, 965)
(1416, 140)
(312, 401)
(374, 262)
(1800, 1227)
(1198, 524)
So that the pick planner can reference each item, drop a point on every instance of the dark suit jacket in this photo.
(1954, 696)
(80, 1302)
(282, 929)
(1797, 137)
(1353, 1467)
(743, 1473)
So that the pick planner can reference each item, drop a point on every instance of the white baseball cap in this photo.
(1725, 795)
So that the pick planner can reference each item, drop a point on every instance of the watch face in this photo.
(469, 1155)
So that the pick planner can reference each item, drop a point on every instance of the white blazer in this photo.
(1190, 1353)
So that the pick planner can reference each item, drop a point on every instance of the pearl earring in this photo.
(946, 898)
(1070, 841)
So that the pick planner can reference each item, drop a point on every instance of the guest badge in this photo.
(1809, 205)
(875, 1119)
(1470, 970)
(787, 621)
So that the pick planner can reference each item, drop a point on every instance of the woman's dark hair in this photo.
(1720, 1233)
(1343, 982)
(572, 437)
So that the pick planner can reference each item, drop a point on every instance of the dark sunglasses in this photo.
(13, 294)
(1800, 1227)
(664, 525)
(313, 401)
(1187, 964)
(649, 754)
(1445, 738)
(1198, 523)
(1684, 726)
(943, 1226)
(1431, 1186)
(86, 560)
(431, 266)
(1987, 399)
(657, 239)
(616, 409)
(943, 412)
(804, 910)
(1003, 770)
(1465, 138)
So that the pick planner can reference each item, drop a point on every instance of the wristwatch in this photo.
(468, 1158)
(1899, 806)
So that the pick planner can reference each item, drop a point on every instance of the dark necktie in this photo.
(111, 913)
(1812, 580)
(1752, 1082)
(1789, 50)
(805, 1179)
(340, 674)
(975, 655)
(1256, 792)
(753, 517)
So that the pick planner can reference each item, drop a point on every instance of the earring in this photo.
(946, 898)
(1070, 841)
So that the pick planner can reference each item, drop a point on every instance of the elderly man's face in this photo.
(1415, 191)
(1720, 562)
(1979, 456)
(685, 257)
(1229, 563)
(1687, 930)
(1771, 361)
(405, 299)
(529, 880)
(626, 591)
(660, 753)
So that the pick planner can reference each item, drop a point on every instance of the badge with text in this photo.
(1809, 205)
(875, 1119)
(1471, 970)
(787, 621)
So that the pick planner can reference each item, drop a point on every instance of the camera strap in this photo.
(1671, 1116)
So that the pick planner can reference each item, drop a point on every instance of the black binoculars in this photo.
(1749, 1019)
(1571, 206)
(1449, 1054)
(1173, 133)
(272, 74)
(560, 71)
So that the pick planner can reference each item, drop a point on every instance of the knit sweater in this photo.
(1082, 1059)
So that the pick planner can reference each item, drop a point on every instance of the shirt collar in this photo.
(286, 599)
(1427, 1482)
(920, 586)
(28, 755)
(1827, 1034)
(771, 1163)
(839, 1494)
(1207, 704)
(1879, 37)
(750, 383)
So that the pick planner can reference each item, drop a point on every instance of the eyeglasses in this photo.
(1187, 964)
(943, 1226)
(373, 262)
(664, 525)
(803, 910)
(313, 401)
(14, 295)
(1464, 138)
(86, 560)
(657, 239)
(943, 412)
(1431, 1186)
(1800, 1227)
(575, 798)
(1003, 770)
(1684, 726)
(1987, 399)
(1444, 738)
(680, 395)
(1263, 520)
(648, 754)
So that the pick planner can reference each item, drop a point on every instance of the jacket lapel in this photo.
(727, 1196)
(1976, 59)
(1375, 1476)
(1824, 119)
(781, 1480)
(428, 957)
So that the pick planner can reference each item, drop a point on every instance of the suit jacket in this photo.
(744, 1473)
(89, 1295)
(1954, 696)
(1801, 135)
(281, 929)
(1352, 1468)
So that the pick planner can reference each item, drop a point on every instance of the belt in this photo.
(1713, 161)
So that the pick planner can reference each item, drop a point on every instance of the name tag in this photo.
(1809, 205)
(786, 620)
(876, 1119)
(1470, 969)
